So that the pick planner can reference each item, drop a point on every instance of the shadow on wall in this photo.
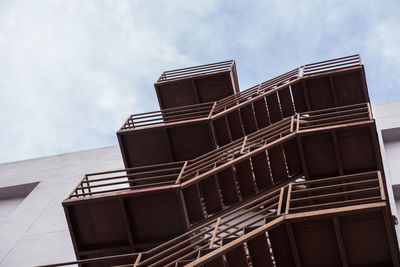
(11, 197)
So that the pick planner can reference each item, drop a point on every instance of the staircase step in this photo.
(278, 165)
(248, 119)
(193, 203)
(230, 194)
(222, 131)
(235, 125)
(299, 97)
(274, 108)
(261, 170)
(260, 109)
(211, 194)
(292, 157)
(286, 102)
(245, 178)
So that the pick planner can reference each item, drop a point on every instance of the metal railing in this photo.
(191, 171)
(211, 235)
(258, 215)
(190, 72)
(237, 148)
(100, 183)
(213, 109)
(287, 128)
(333, 64)
(332, 116)
(335, 192)
(283, 80)
(171, 115)
(268, 210)
(263, 87)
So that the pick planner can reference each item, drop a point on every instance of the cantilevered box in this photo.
(195, 85)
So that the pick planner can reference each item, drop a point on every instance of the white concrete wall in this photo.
(35, 231)
(387, 118)
(392, 150)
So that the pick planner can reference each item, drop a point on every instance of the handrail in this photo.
(335, 192)
(263, 140)
(96, 184)
(192, 171)
(333, 64)
(196, 71)
(262, 213)
(329, 201)
(171, 115)
(255, 90)
(282, 80)
(212, 110)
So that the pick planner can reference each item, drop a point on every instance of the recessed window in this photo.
(11, 197)
(391, 135)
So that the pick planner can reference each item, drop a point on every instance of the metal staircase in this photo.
(286, 173)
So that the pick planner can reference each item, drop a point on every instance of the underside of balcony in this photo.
(145, 139)
(195, 85)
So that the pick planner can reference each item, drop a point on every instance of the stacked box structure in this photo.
(285, 173)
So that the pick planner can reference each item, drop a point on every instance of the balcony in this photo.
(187, 136)
(108, 213)
(196, 85)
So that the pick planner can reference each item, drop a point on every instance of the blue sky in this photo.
(71, 71)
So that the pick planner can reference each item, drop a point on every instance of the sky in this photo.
(72, 71)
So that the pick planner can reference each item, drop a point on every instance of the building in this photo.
(285, 173)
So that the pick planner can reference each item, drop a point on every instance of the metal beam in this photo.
(339, 239)
(293, 245)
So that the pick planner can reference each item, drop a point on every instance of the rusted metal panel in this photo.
(248, 119)
(280, 242)
(222, 131)
(245, 178)
(261, 112)
(259, 251)
(176, 143)
(365, 239)
(262, 173)
(316, 243)
(134, 226)
(320, 156)
(211, 194)
(274, 108)
(229, 189)
(199, 84)
(286, 102)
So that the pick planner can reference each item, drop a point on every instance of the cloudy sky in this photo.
(71, 71)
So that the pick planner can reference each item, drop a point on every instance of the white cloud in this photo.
(72, 71)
